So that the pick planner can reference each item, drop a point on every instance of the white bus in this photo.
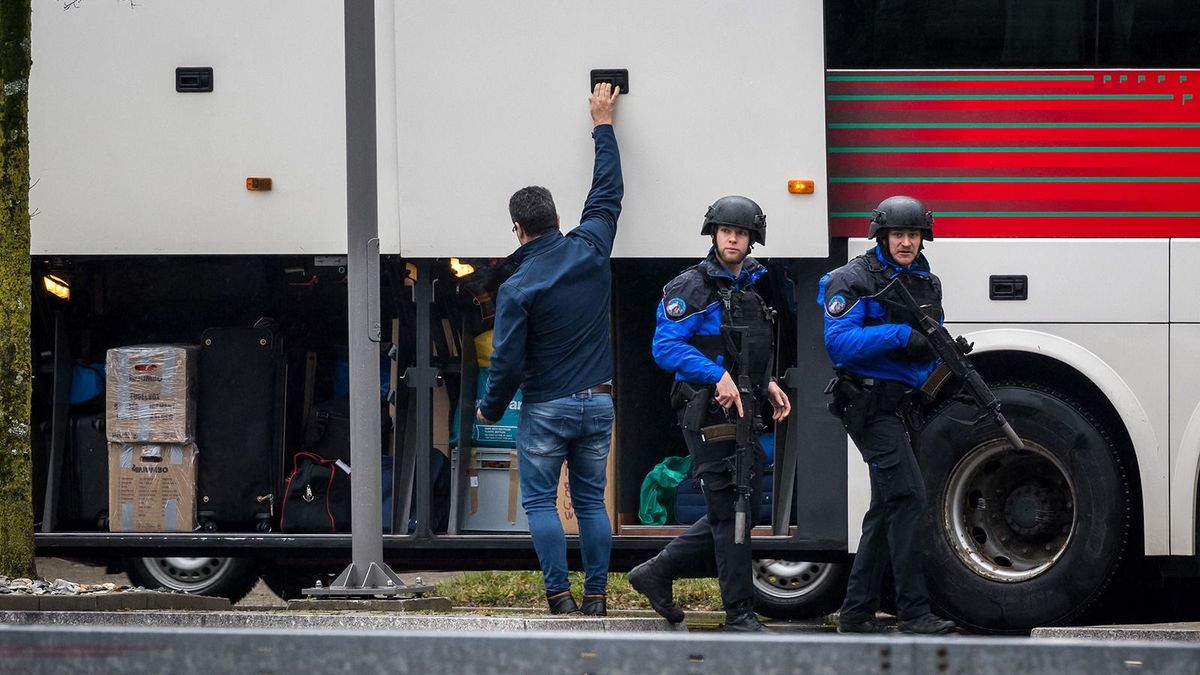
(150, 121)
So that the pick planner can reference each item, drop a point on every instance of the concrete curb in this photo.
(1155, 632)
(92, 602)
(334, 620)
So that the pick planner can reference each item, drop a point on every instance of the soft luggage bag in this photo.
(689, 501)
(238, 430)
(690, 506)
(327, 430)
(316, 496)
(84, 496)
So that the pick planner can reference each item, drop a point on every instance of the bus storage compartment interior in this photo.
(165, 300)
(250, 406)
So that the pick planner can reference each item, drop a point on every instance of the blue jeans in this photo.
(577, 429)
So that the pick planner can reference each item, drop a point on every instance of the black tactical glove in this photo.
(918, 348)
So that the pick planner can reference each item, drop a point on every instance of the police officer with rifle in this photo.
(881, 310)
(714, 332)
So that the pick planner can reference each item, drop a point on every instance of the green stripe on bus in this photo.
(1002, 148)
(1016, 179)
(1014, 125)
(960, 78)
(1038, 214)
(1001, 97)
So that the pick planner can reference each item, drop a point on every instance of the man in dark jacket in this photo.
(551, 339)
(689, 342)
(880, 361)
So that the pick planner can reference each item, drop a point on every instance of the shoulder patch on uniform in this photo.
(836, 305)
(675, 307)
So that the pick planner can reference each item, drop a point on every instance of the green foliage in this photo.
(16, 514)
(525, 589)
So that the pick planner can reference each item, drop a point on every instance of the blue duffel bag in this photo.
(689, 499)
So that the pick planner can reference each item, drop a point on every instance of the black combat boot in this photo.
(868, 625)
(927, 624)
(594, 605)
(653, 579)
(740, 618)
(562, 603)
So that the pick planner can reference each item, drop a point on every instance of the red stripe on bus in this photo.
(1030, 196)
(856, 228)
(986, 99)
(1047, 136)
(1004, 163)
(1173, 112)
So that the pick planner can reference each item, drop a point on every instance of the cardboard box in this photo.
(151, 487)
(151, 394)
(566, 511)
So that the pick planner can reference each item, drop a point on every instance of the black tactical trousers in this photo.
(706, 549)
(891, 528)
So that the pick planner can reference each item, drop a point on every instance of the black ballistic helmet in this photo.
(740, 212)
(901, 213)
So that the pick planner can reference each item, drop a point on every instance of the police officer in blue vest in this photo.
(689, 342)
(881, 362)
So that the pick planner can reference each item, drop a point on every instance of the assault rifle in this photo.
(743, 454)
(953, 352)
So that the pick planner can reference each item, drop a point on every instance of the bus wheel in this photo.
(229, 578)
(1022, 538)
(786, 589)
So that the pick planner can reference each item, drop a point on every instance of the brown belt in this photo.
(598, 389)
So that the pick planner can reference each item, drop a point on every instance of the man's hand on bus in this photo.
(479, 416)
(726, 393)
(603, 102)
(780, 404)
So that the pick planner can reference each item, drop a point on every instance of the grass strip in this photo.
(525, 589)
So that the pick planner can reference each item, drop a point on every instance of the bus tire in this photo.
(231, 578)
(786, 589)
(1022, 539)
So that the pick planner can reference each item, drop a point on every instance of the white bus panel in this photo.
(724, 98)
(122, 163)
(1185, 435)
(1069, 280)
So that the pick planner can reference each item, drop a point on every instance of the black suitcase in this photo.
(239, 429)
(84, 490)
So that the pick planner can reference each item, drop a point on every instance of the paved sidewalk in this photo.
(1173, 632)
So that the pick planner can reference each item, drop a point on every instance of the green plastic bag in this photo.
(658, 490)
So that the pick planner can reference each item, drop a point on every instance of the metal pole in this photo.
(423, 378)
(367, 574)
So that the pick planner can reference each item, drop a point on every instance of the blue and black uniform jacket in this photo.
(690, 307)
(551, 335)
(859, 337)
